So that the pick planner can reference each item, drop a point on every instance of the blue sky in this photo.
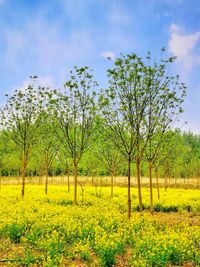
(48, 37)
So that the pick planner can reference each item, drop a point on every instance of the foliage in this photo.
(50, 234)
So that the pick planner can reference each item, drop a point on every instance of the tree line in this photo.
(181, 159)
(83, 129)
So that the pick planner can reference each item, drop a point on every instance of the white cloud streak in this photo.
(184, 46)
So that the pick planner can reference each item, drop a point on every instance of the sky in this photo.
(48, 37)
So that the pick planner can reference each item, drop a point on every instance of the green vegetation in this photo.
(51, 231)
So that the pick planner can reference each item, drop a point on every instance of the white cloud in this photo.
(184, 46)
(43, 45)
(107, 54)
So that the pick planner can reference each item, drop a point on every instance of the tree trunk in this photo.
(166, 172)
(46, 181)
(67, 173)
(40, 179)
(112, 182)
(139, 184)
(157, 182)
(100, 185)
(96, 189)
(75, 181)
(18, 177)
(68, 183)
(165, 183)
(129, 188)
(24, 163)
(82, 192)
(151, 186)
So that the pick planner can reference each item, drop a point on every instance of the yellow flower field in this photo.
(50, 231)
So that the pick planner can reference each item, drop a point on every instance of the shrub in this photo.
(15, 231)
(107, 256)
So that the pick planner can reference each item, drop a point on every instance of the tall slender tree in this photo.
(123, 109)
(48, 146)
(165, 97)
(141, 101)
(75, 110)
(21, 118)
(111, 159)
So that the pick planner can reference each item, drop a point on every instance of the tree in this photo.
(123, 109)
(110, 158)
(165, 97)
(8, 156)
(49, 148)
(65, 163)
(139, 106)
(74, 110)
(21, 118)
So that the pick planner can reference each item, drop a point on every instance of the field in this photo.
(50, 231)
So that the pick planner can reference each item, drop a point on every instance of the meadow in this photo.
(48, 230)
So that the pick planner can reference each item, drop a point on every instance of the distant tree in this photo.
(21, 118)
(75, 111)
(8, 155)
(65, 163)
(165, 98)
(169, 154)
(49, 146)
(191, 157)
(108, 156)
(1, 155)
(91, 164)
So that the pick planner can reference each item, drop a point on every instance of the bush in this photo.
(107, 257)
(15, 231)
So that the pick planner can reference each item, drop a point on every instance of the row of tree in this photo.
(128, 122)
(180, 159)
